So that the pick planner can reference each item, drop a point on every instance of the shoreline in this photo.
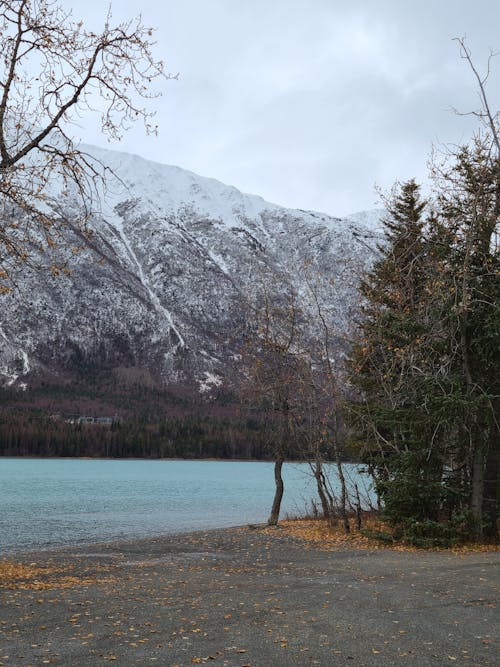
(121, 542)
(55, 503)
(286, 527)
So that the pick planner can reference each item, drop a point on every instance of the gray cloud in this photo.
(310, 104)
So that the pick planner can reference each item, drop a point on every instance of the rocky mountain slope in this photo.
(173, 258)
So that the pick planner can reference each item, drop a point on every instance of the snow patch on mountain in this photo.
(209, 381)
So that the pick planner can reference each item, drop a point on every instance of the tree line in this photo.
(188, 437)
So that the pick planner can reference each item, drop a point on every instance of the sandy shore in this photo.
(246, 596)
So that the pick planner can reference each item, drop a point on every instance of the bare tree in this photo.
(324, 401)
(288, 375)
(485, 114)
(52, 72)
(271, 365)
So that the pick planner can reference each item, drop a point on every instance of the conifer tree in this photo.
(469, 315)
(427, 360)
(392, 421)
(426, 363)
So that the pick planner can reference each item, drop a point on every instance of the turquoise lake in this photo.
(48, 503)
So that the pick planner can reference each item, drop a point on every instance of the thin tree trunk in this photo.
(477, 490)
(491, 486)
(358, 508)
(343, 494)
(278, 494)
(325, 494)
(317, 469)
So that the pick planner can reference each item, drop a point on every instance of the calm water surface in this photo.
(55, 502)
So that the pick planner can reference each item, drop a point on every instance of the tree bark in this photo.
(326, 498)
(477, 490)
(278, 494)
(343, 495)
(317, 467)
(491, 486)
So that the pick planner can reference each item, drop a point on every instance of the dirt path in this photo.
(246, 597)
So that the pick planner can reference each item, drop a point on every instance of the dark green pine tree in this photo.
(465, 243)
(426, 363)
(388, 366)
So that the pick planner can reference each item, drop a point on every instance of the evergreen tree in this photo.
(392, 421)
(426, 364)
(469, 208)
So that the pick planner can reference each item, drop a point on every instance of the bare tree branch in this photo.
(485, 113)
(52, 72)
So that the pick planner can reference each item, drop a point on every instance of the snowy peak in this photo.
(175, 255)
(171, 189)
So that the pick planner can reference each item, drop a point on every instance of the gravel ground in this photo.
(245, 596)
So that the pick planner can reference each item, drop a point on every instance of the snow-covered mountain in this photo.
(173, 257)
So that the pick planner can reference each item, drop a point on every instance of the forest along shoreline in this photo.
(247, 595)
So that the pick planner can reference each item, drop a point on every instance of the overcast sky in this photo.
(309, 103)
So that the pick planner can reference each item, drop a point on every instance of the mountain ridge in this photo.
(172, 254)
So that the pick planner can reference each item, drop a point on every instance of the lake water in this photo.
(48, 503)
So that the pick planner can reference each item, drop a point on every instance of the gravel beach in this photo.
(248, 596)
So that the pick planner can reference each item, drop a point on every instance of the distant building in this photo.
(90, 419)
